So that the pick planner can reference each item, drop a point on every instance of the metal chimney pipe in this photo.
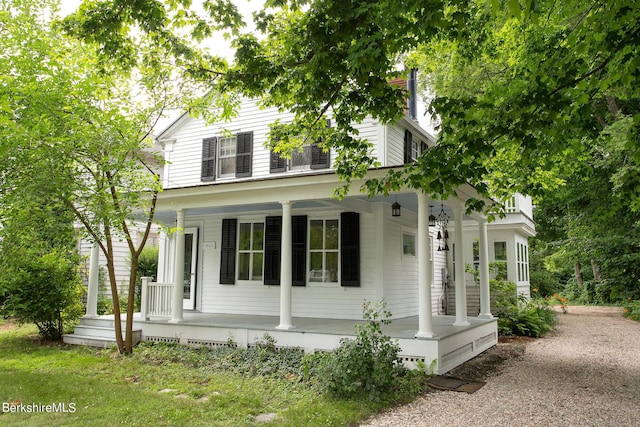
(412, 98)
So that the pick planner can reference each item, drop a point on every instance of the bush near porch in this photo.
(518, 315)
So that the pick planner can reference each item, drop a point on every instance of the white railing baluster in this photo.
(156, 299)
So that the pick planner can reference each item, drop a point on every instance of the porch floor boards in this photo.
(404, 328)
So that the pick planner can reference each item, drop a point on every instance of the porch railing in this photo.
(156, 299)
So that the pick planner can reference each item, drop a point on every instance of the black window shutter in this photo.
(228, 252)
(244, 149)
(299, 250)
(350, 248)
(319, 159)
(408, 142)
(208, 171)
(423, 147)
(277, 163)
(272, 249)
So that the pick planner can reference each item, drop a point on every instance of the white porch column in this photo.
(485, 294)
(425, 312)
(178, 278)
(285, 269)
(461, 286)
(92, 288)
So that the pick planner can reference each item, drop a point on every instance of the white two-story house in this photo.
(259, 245)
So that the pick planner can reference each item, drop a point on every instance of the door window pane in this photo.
(188, 257)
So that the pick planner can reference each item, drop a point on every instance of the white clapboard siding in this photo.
(314, 300)
(183, 169)
(395, 146)
(400, 272)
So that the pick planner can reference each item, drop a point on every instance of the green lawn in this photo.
(102, 388)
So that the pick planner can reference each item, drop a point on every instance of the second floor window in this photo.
(228, 156)
(301, 157)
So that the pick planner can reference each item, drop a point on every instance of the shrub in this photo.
(367, 366)
(519, 316)
(45, 290)
(147, 267)
(631, 309)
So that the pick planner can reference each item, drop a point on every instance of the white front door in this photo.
(190, 267)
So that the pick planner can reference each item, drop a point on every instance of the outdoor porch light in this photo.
(432, 218)
(395, 208)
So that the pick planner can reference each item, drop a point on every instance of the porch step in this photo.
(97, 321)
(97, 336)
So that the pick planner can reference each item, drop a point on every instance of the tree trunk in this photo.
(116, 305)
(114, 290)
(597, 274)
(131, 303)
(578, 270)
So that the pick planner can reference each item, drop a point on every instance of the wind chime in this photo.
(441, 221)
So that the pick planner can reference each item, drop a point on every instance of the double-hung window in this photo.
(500, 258)
(324, 235)
(250, 250)
(322, 250)
(227, 156)
(523, 262)
(301, 157)
(408, 244)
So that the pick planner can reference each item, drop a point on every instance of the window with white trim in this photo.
(250, 250)
(324, 253)
(226, 156)
(500, 260)
(301, 157)
(408, 244)
(523, 262)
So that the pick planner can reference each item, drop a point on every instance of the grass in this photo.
(107, 389)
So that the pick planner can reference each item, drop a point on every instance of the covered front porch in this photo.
(196, 304)
(449, 346)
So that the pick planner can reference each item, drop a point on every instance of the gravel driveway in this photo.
(587, 373)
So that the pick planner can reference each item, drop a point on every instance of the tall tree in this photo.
(79, 128)
(547, 101)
